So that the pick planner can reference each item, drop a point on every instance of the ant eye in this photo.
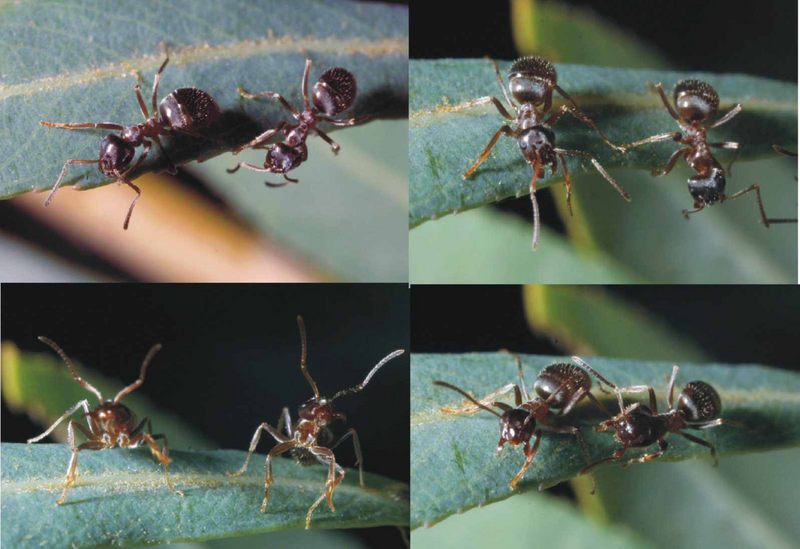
(335, 91)
(188, 108)
(695, 100)
(531, 79)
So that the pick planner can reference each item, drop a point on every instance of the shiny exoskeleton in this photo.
(696, 103)
(184, 110)
(531, 81)
(308, 440)
(640, 426)
(559, 387)
(111, 424)
(332, 94)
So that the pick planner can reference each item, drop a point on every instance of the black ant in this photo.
(332, 94)
(111, 424)
(640, 426)
(531, 81)
(183, 110)
(309, 438)
(559, 387)
(696, 102)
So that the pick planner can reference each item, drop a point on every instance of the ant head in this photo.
(112, 416)
(563, 380)
(188, 109)
(531, 80)
(319, 410)
(699, 402)
(537, 144)
(708, 189)
(516, 426)
(115, 154)
(695, 100)
(335, 91)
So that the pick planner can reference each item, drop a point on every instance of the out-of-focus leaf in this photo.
(71, 62)
(120, 498)
(453, 465)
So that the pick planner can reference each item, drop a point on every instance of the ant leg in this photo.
(674, 136)
(616, 456)
(266, 136)
(717, 422)
(253, 443)
(505, 130)
(576, 432)
(157, 80)
(162, 455)
(279, 449)
(781, 150)
(172, 169)
(582, 363)
(727, 116)
(662, 447)
(702, 442)
(470, 408)
(567, 182)
(670, 399)
(530, 453)
(67, 164)
(502, 86)
(673, 159)
(344, 122)
(659, 88)
(357, 448)
(641, 389)
(140, 99)
(535, 206)
(730, 145)
(521, 391)
(494, 101)
(334, 145)
(304, 84)
(268, 95)
(766, 221)
(83, 403)
(285, 422)
(123, 178)
(279, 185)
(599, 168)
(326, 455)
(83, 125)
(72, 468)
(577, 113)
(697, 208)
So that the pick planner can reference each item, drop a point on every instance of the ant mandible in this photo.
(559, 387)
(183, 110)
(332, 94)
(696, 103)
(639, 426)
(309, 438)
(111, 424)
(531, 81)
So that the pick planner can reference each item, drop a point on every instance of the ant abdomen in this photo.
(699, 402)
(708, 189)
(115, 154)
(531, 79)
(335, 91)
(568, 377)
(695, 100)
(188, 109)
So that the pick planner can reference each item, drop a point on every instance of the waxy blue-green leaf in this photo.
(72, 61)
(445, 138)
(120, 498)
(453, 462)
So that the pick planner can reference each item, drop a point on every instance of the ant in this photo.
(559, 387)
(640, 426)
(332, 94)
(531, 81)
(696, 102)
(111, 424)
(309, 438)
(183, 110)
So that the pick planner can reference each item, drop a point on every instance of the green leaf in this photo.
(489, 247)
(120, 498)
(445, 138)
(78, 57)
(453, 466)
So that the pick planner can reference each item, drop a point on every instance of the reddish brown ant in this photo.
(531, 81)
(183, 110)
(308, 440)
(559, 387)
(111, 424)
(333, 93)
(639, 426)
(696, 103)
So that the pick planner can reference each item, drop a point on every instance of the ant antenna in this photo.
(467, 396)
(83, 383)
(360, 386)
(304, 356)
(138, 383)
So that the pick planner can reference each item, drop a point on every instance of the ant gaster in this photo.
(696, 103)
(309, 438)
(640, 426)
(333, 93)
(111, 424)
(559, 387)
(531, 81)
(183, 110)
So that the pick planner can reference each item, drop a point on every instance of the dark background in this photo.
(734, 324)
(231, 356)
